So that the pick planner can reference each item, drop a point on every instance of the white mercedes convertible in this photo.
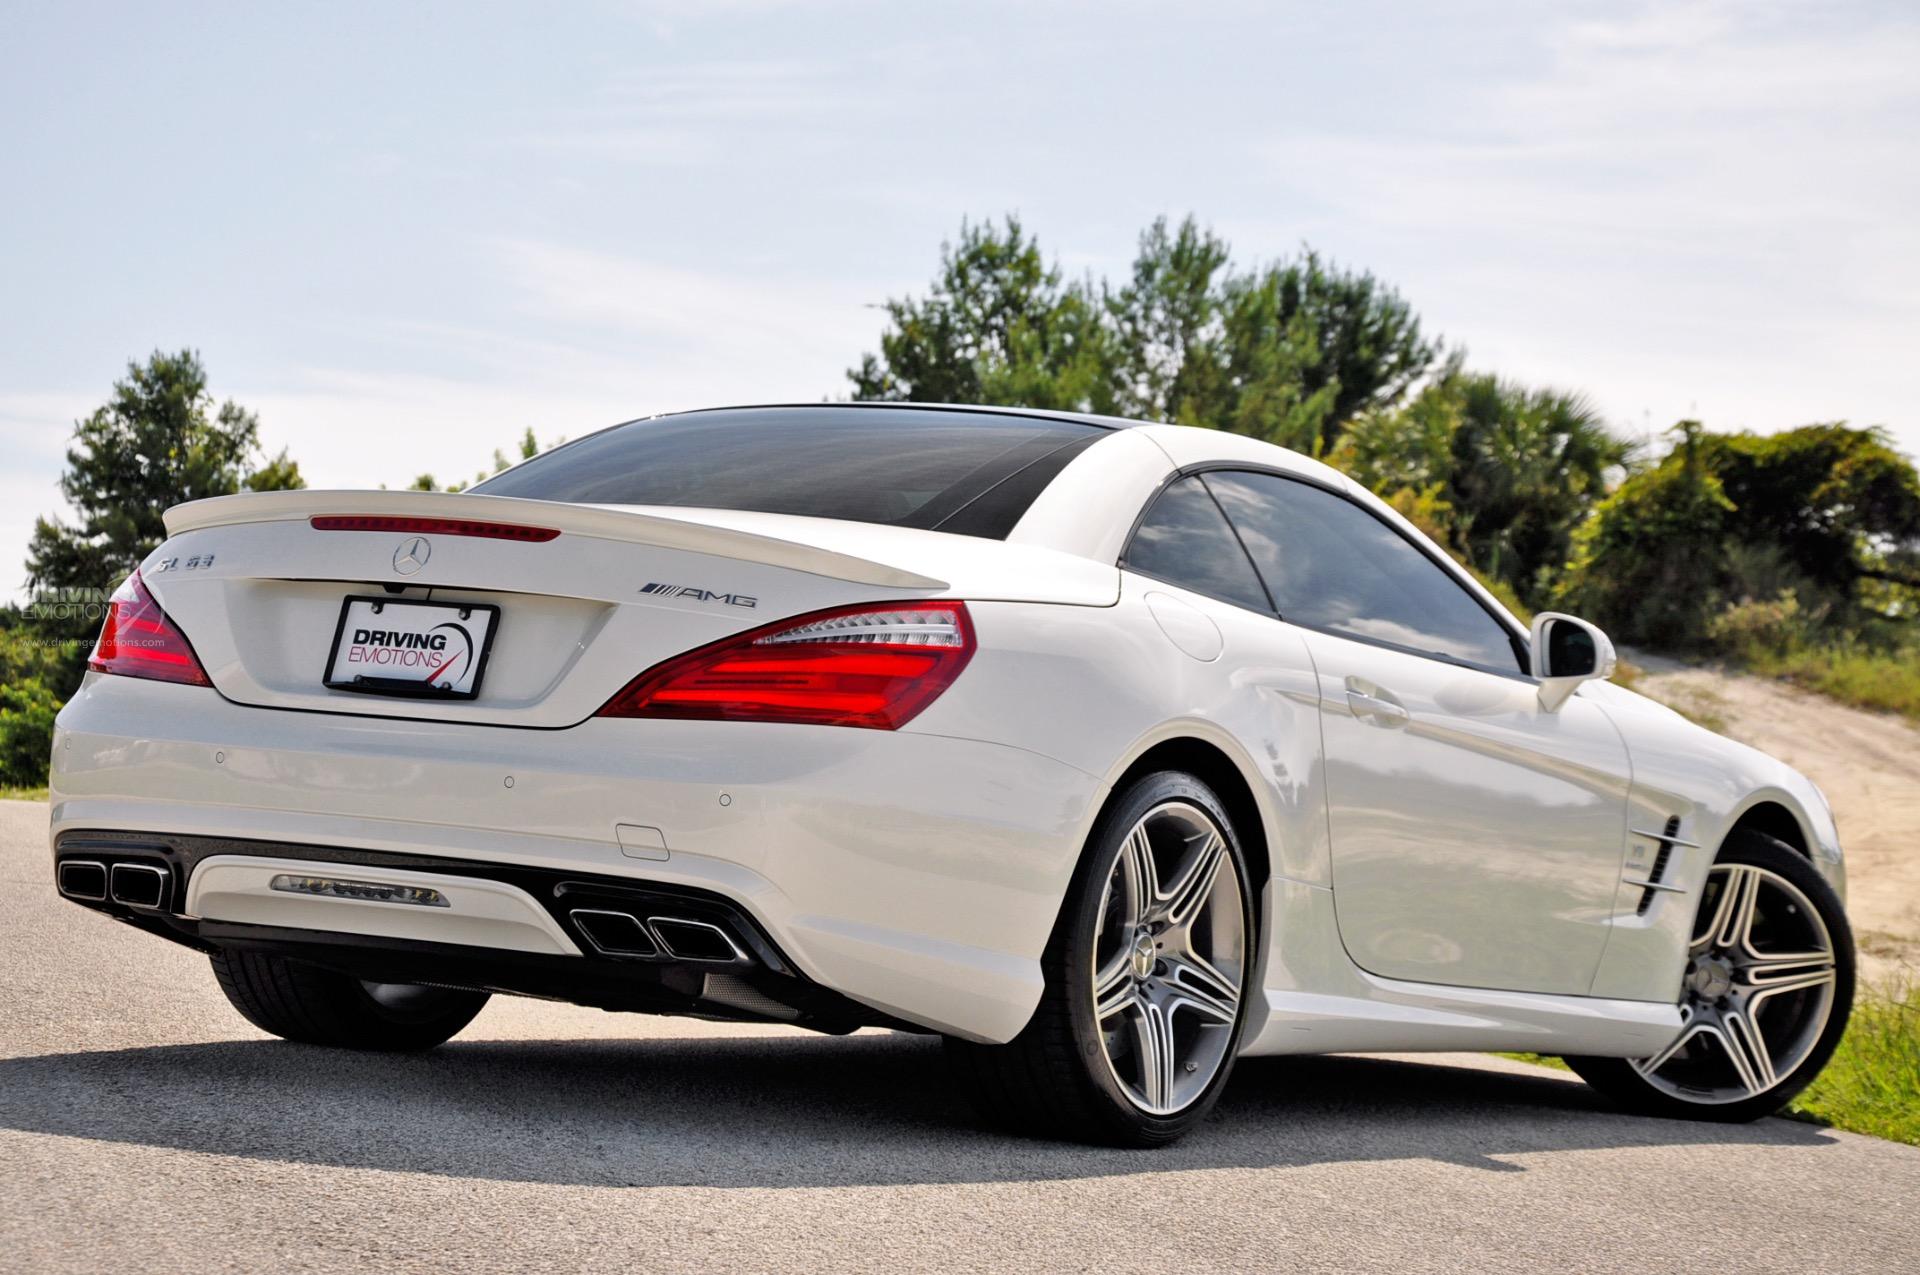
(1108, 751)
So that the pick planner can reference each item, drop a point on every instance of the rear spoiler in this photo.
(580, 520)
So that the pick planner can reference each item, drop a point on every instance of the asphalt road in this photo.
(144, 1126)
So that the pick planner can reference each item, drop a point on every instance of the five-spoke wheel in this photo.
(1147, 972)
(1169, 957)
(1764, 995)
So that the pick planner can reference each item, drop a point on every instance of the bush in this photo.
(1650, 566)
(1758, 632)
(27, 710)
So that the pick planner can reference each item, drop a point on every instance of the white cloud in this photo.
(1685, 208)
(620, 337)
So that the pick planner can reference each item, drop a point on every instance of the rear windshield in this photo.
(968, 472)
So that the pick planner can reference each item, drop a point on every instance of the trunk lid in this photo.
(259, 588)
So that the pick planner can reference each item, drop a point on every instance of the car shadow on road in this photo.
(871, 1109)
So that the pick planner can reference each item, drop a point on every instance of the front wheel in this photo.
(1146, 979)
(1764, 998)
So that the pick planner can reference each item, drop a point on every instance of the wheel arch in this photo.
(1209, 761)
(1793, 818)
(1776, 820)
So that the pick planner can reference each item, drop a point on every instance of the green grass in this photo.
(1889, 681)
(1872, 1084)
(9, 793)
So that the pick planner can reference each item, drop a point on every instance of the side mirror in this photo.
(1566, 652)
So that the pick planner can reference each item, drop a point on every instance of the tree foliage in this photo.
(1287, 352)
(27, 710)
(1509, 471)
(1825, 515)
(158, 441)
(999, 325)
(1650, 564)
(1838, 504)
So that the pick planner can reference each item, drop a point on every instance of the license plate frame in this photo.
(420, 684)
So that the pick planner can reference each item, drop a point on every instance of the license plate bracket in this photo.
(410, 647)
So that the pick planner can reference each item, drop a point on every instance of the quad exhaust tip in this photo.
(131, 885)
(84, 879)
(139, 885)
(678, 938)
(615, 933)
(696, 940)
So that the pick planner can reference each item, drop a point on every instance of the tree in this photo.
(1287, 352)
(1824, 516)
(1199, 344)
(1650, 565)
(999, 325)
(159, 441)
(1515, 468)
(1371, 349)
(1839, 505)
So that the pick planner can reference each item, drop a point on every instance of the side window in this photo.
(1184, 540)
(1330, 564)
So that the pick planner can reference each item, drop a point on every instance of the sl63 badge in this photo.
(194, 563)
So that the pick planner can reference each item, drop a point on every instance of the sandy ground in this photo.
(1868, 764)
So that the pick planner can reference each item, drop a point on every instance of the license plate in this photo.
(433, 650)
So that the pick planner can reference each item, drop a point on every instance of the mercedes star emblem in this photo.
(411, 555)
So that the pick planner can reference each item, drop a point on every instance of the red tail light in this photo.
(872, 666)
(433, 526)
(138, 640)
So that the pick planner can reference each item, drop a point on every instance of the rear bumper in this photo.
(914, 874)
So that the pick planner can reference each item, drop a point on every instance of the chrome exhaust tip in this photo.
(615, 933)
(687, 940)
(139, 885)
(83, 879)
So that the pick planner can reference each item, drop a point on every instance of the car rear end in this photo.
(619, 747)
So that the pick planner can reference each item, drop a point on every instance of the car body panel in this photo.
(920, 871)
(1477, 840)
(865, 853)
(1707, 782)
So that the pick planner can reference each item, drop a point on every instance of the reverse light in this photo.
(138, 640)
(870, 666)
(433, 527)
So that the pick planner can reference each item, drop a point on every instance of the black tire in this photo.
(1620, 1081)
(1054, 1078)
(305, 1003)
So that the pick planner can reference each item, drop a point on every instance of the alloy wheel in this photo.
(1757, 993)
(1169, 958)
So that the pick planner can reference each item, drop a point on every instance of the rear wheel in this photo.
(1137, 1030)
(1765, 996)
(305, 1003)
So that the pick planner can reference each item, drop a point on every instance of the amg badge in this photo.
(698, 595)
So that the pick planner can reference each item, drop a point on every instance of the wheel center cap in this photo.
(1710, 979)
(1142, 955)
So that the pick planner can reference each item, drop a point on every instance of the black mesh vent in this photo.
(1659, 872)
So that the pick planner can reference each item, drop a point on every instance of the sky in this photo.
(404, 233)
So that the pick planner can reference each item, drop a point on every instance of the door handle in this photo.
(1376, 708)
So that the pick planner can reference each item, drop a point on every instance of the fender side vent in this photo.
(1660, 861)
